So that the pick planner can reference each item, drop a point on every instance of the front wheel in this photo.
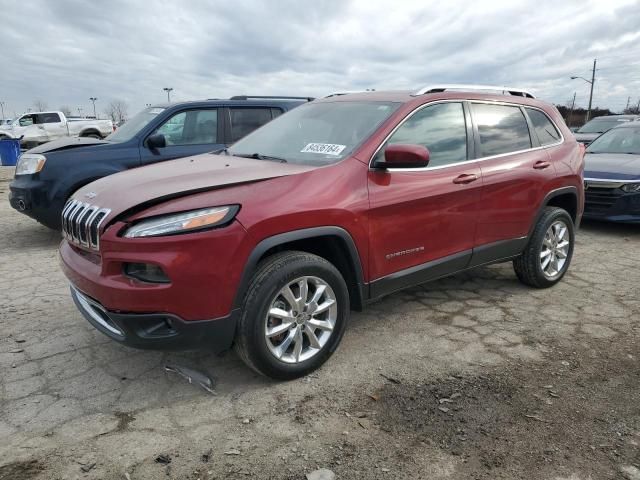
(295, 313)
(548, 254)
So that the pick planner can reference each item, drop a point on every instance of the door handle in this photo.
(540, 164)
(465, 178)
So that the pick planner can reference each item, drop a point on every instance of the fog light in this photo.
(146, 272)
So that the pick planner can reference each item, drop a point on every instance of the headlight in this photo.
(183, 222)
(30, 163)
(631, 188)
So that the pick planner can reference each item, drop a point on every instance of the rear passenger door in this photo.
(515, 171)
(189, 132)
(422, 221)
(244, 120)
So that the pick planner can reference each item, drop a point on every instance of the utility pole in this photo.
(2, 108)
(93, 100)
(573, 103)
(593, 79)
(168, 90)
(627, 107)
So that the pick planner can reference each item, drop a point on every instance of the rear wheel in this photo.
(295, 313)
(92, 135)
(548, 254)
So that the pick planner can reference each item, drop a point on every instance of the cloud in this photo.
(66, 51)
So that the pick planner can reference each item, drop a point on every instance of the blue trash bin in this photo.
(9, 152)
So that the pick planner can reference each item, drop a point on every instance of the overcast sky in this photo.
(65, 51)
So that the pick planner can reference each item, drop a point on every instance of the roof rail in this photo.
(518, 92)
(273, 97)
(347, 92)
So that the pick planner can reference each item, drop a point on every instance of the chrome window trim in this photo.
(491, 157)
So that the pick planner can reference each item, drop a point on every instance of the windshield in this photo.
(315, 133)
(128, 130)
(618, 140)
(600, 125)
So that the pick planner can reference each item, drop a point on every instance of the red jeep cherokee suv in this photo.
(269, 244)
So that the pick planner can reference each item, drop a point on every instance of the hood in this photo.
(586, 137)
(153, 184)
(612, 166)
(66, 143)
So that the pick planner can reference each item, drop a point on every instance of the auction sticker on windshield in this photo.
(326, 148)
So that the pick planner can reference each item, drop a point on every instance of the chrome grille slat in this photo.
(75, 223)
(81, 223)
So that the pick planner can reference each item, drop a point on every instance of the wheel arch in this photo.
(332, 243)
(88, 131)
(565, 198)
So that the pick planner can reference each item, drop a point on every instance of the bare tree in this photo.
(40, 105)
(117, 111)
(633, 110)
(66, 109)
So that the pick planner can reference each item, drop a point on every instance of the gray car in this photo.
(597, 126)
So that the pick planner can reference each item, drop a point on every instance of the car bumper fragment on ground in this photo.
(474, 376)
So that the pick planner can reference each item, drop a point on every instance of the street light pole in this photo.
(573, 103)
(2, 108)
(593, 80)
(93, 100)
(168, 90)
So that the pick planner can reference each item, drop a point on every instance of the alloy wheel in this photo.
(301, 319)
(555, 249)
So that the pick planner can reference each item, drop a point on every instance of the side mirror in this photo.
(404, 156)
(156, 141)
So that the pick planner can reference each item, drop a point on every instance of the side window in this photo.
(502, 129)
(441, 128)
(26, 120)
(47, 118)
(193, 127)
(246, 120)
(546, 131)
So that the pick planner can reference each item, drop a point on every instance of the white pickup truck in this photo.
(36, 128)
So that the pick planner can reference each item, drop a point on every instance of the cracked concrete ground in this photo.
(73, 399)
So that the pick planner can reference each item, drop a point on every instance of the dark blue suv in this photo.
(47, 175)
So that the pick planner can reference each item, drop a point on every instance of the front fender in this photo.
(8, 134)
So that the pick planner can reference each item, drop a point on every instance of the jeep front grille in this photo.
(81, 223)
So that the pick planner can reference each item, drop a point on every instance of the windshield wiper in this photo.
(259, 156)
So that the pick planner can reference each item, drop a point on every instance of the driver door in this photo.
(190, 132)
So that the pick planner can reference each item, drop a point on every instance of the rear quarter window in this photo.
(47, 118)
(545, 129)
(245, 120)
(502, 129)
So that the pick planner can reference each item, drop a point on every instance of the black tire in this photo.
(272, 275)
(527, 266)
(92, 135)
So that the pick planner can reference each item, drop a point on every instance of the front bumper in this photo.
(158, 331)
(31, 197)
